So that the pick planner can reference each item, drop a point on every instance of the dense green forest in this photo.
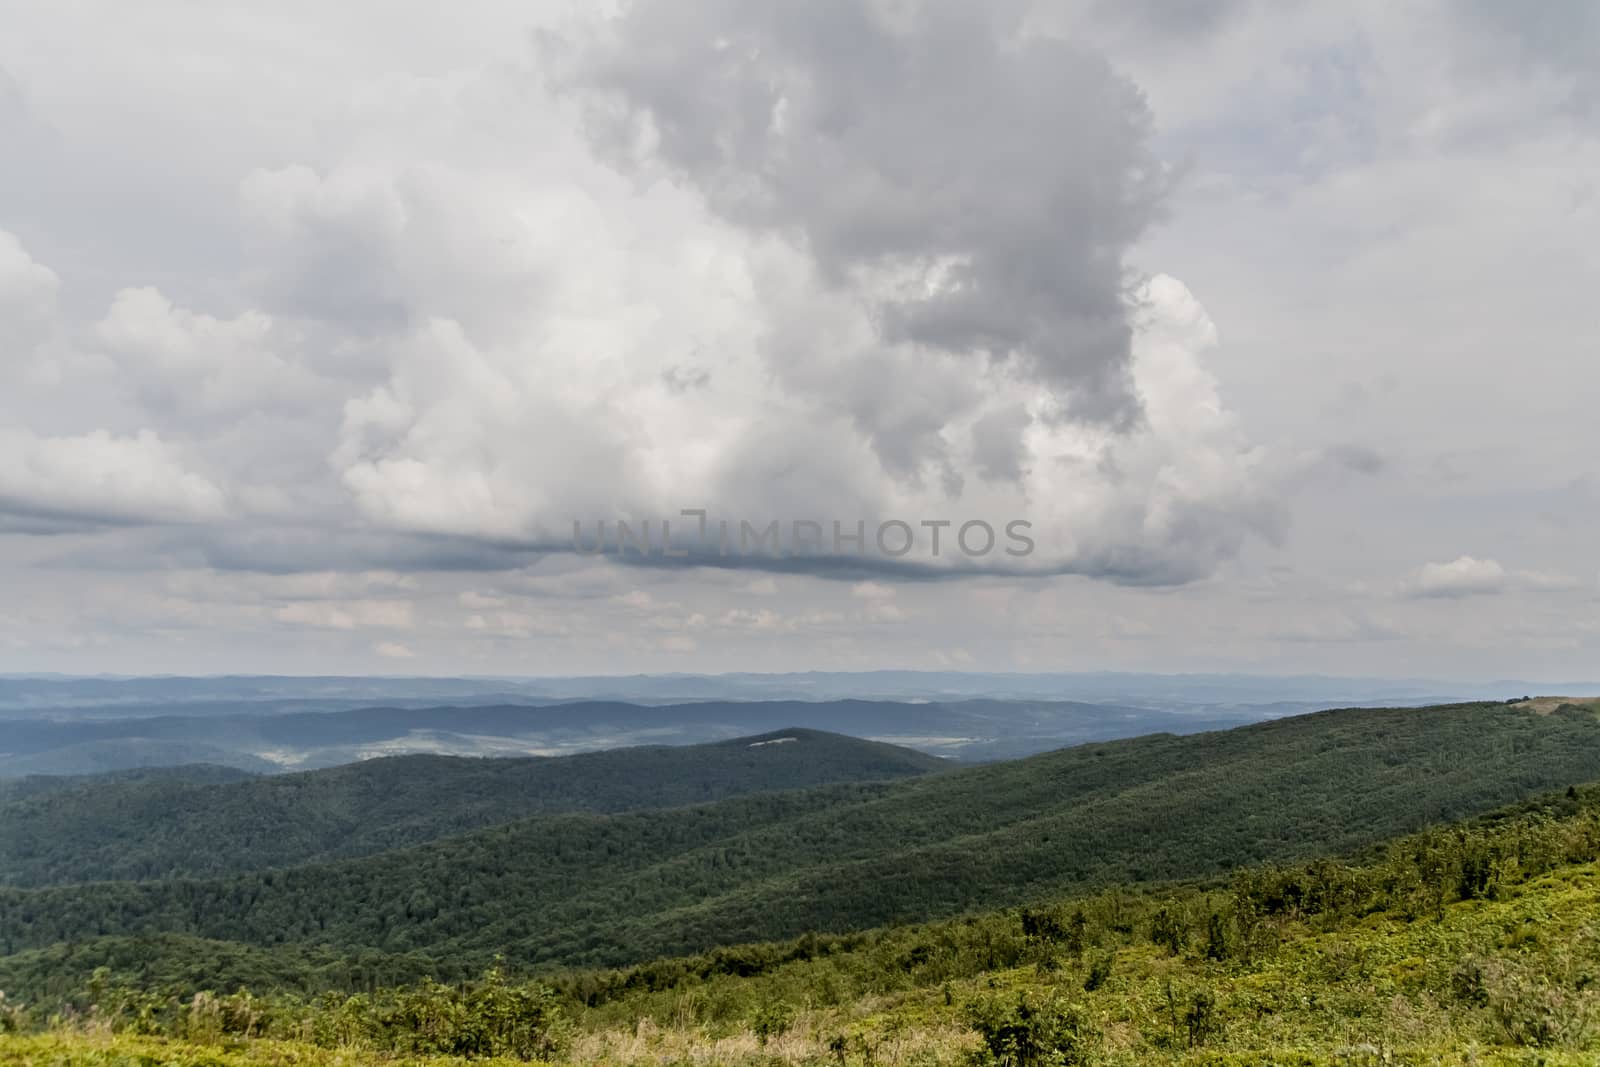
(152, 824)
(586, 889)
(41, 785)
(1472, 944)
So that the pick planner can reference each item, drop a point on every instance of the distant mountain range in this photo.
(56, 725)
(64, 695)
(299, 740)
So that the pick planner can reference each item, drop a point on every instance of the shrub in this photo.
(12, 1016)
(1166, 930)
(771, 1020)
(1202, 1020)
(1021, 1033)
(1099, 972)
(1216, 937)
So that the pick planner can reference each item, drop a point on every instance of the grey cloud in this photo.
(287, 549)
(1362, 459)
(979, 186)
(1185, 19)
(335, 250)
(1123, 565)
(1559, 35)
(684, 379)
(22, 516)
(12, 101)
(997, 443)
(381, 251)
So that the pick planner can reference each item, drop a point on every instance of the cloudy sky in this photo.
(321, 326)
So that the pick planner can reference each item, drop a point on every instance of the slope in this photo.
(164, 827)
(1472, 944)
(604, 889)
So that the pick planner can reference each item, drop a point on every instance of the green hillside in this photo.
(597, 889)
(1474, 945)
(151, 825)
(40, 785)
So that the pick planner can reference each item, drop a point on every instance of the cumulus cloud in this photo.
(28, 292)
(937, 324)
(475, 442)
(375, 250)
(1468, 576)
(976, 184)
(98, 477)
(178, 360)
(1463, 576)
(348, 614)
(888, 284)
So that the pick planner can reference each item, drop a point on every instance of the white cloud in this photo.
(28, 292)
(1469, 576)
(99, 477)
(1463, 576)
(177, 360)
(348, 614)
(464, 440)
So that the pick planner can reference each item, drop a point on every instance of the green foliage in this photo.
(1023, 1032)
(491, 1017)
(1531, 1010)
(587, 889)
(13, 1017)
(1167, 930)
(1201, 1019)
(1099, 972)
(201, 822)
(1345, 969)
(771, 1020)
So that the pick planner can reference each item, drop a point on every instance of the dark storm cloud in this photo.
(979, 186)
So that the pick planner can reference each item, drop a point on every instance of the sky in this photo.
(1195, 336)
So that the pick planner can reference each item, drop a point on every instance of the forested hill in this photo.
(40, 785)
(149, 825)
(596, 888)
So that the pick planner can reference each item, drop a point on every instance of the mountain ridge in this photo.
(598, 889)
